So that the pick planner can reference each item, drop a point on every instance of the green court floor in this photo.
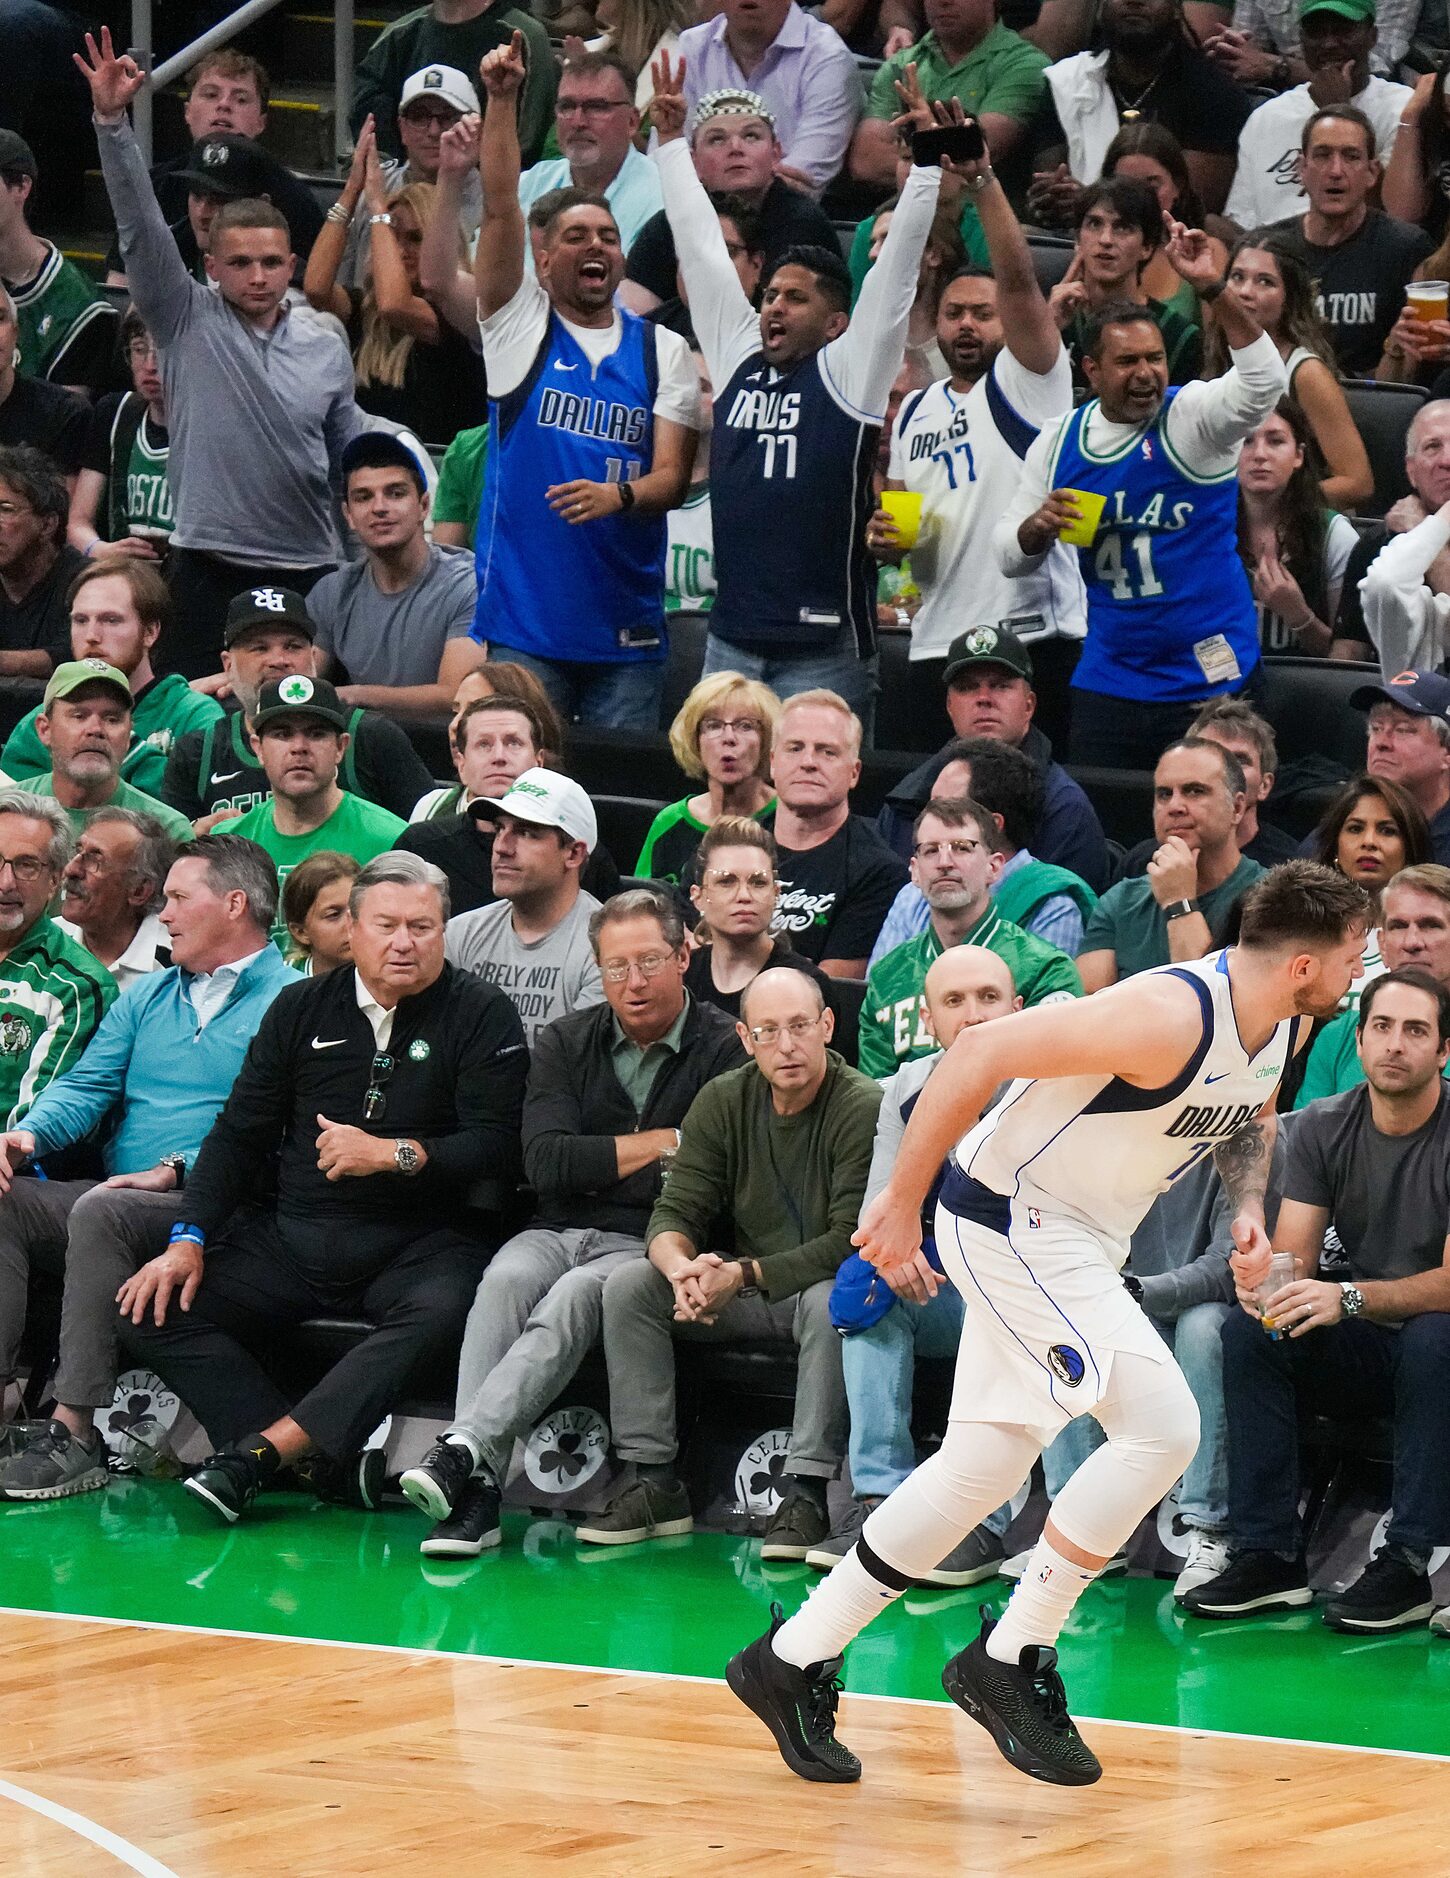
(143, 1550)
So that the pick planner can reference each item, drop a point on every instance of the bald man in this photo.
(884, 1334)
(780, 1150)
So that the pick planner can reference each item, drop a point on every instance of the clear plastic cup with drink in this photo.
(1428, 299)
(1281, 1273)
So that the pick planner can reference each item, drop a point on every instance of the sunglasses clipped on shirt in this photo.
(375, 1103)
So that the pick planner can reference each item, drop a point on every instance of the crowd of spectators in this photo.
(627, 312)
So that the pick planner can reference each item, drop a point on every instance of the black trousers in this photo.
(202, 587)
(416, 1293)
(1132, 733)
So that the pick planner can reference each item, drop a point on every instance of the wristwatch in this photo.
(405, 1157)
(177, 1164)
(1351, 1300)
(1180, 909)
(748, 1286)
(626, 497)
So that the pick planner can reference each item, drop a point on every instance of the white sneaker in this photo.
(1208, 1558)
(1440, 1622)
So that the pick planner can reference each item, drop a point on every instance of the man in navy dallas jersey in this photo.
(800, 399)
(594, 415)
(1171, 620)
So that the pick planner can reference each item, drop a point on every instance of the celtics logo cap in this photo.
(987, 645)
(299, 696)
(549, 800)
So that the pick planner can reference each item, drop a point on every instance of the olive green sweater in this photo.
(788, 1186)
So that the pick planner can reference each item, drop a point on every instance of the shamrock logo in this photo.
(295, 690)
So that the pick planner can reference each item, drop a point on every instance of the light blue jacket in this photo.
(149, 1076)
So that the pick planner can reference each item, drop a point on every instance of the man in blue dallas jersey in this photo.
(1171, 619)
(800, 397)
(594, 415)
(1111, 1099)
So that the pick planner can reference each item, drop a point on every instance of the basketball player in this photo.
(593, 435)
(1111, 1100)
(1171, 620)
(800, 397)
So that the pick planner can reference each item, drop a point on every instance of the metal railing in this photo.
(143, 51)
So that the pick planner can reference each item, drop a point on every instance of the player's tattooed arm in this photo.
(1243, 1162)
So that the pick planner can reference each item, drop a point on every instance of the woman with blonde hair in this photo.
(409, 363)
(721, 737)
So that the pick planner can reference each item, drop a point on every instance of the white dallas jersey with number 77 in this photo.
(1097, 1150)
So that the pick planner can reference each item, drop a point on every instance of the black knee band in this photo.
(878, 1568)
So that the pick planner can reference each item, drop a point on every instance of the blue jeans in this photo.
(1349, 1370)
(834, 667)
(616, 695)
(1197, 1339)
(880, 1366)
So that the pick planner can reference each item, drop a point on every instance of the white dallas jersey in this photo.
(1097, 1150)
(964, 453)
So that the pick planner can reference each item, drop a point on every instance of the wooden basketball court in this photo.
(196, 1754)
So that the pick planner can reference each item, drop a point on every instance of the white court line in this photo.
(131, 1856)
(669, 1675)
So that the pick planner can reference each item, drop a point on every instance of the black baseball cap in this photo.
(16, 156)
(267, 606)
(1424, 694)
(231, 168)
(987, 645)
(298, 696)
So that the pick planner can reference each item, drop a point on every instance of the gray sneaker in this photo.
(55, 1465)
(980, 1555)
(16, 1436)
(842, 1536)
(643, 1509)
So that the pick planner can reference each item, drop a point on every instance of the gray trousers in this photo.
(639, 1334)
(95, 1236)
(535, 1316)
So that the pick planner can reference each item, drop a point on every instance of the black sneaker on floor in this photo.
(227, 1483)
(435, 1484)
(1254, 1582)
(797, 1526)
(642, 1509)
(798, 1706)
(1389, 1594)
(978, 1557)
(472, 1527)
(1023, 1706)
(356, 1482)
(843, 1535)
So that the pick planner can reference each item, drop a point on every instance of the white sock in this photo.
(456, 1438)
(840, 1606)
(1041, 1604)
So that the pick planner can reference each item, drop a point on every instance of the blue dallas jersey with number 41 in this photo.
(1170, 613)
(591, 591)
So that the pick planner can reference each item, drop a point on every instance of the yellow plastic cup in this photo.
(1082, 531)
(904, 508)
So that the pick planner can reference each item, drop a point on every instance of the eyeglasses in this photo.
(375, 1102)
(92, 861)
(651, 965)
(727, 883)
(139, 349)
(25, 867)
(958, 850)
(717, 726)
(799, 1028)
(429, 114)
(589, 107)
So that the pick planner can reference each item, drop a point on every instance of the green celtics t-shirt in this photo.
(460, 480)
(354, 827)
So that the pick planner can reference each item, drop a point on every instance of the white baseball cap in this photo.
(549, 800)
(440, 81)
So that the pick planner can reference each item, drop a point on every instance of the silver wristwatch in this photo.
(405, 1157)
(1351, 1300)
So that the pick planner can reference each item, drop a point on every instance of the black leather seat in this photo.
(1307, 702)
(1382, 415)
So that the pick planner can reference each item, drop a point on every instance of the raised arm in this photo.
(404, 309)
(1029, 331)
(155, 271)
(1400, 610)
(725, 322)
(1210, 419)
(498, 266)
(1144, 1033)
(451, 288)
(319, 282)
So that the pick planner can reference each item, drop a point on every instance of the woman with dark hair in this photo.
(1274, 283)
(1370, 831)
(1294, 550)
(1148, 153)
(1416, 185)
